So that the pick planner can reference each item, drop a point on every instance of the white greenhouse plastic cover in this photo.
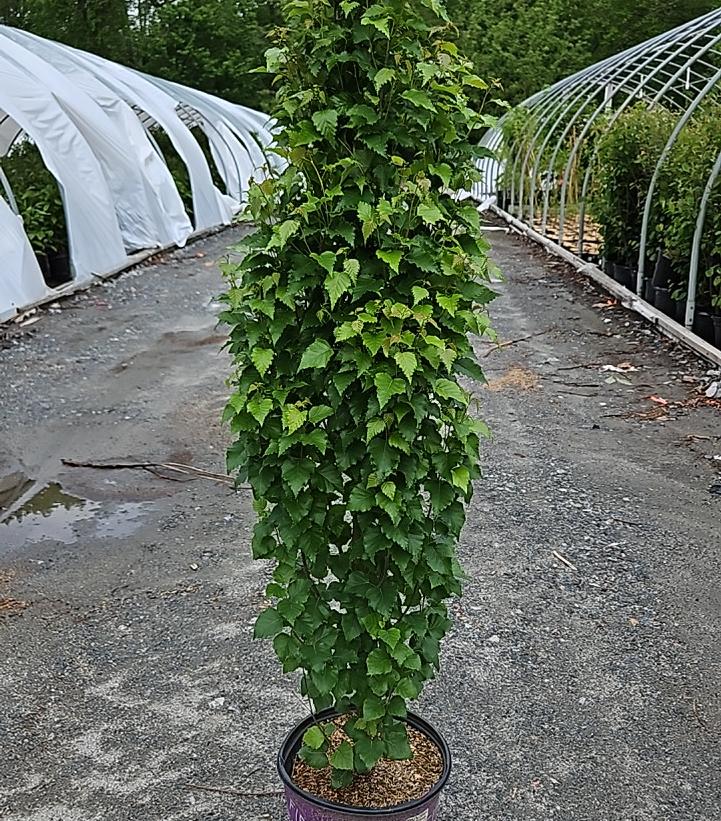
(90, 120)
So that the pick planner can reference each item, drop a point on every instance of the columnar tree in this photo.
(350, 318)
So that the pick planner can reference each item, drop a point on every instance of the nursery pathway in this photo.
(581, 679)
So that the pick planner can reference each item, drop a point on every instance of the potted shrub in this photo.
(41, 207)
(349, 319)
(627, 155)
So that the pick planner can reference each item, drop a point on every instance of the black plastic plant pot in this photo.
(648, 290)
(663, 273)
(680, 314)
(717, 330)
(608, 267)
(625, 276)
(703, 326)
(302, 806)
(60, 272)
(662, 300)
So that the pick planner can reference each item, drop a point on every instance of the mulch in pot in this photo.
(390, 783)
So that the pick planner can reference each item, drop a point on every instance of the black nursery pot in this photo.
(648, 290)
(625, 276)
(60, 272)
(717, 330)
(302, 806)
(681, 312)
(662, 300)
(703, 326)
(663, 273)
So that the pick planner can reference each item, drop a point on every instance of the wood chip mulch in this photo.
(389, 784)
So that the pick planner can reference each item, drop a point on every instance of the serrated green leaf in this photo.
(386, 387)
(373, 708)
(461, 478)
(449, 303)
(260, 408)
(450, 390)
(286, 230)
(419, 99)
(262, 359)
(326, 121)
(361, 499)
(429, 213)
(342, 758)
(383, 76)
(393, 258)
(314, 737)
(407, 362)
(320, 412)
(314, 758)
(419, 294)
(352, 268)
(374, 427)
(378, 663)
(293, 418)
(326, 260)
(316, 355)
(268, 624)
(337, 284)
(389, 489)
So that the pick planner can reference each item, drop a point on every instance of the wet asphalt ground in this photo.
(582, 677)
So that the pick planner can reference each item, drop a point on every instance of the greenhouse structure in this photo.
(619, 164)
(96, 129)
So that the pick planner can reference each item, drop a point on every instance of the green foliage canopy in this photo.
(350, 318)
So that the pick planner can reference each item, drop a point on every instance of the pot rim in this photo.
(414, 721)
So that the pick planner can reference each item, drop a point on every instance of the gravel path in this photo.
(581, 680)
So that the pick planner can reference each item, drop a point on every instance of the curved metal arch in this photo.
(589, 123)
(657, 97)
(582, 92)
(696, 246)
(713, 81)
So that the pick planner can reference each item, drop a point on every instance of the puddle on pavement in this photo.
(53, 515)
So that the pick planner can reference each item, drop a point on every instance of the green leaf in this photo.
(286, 230)
(326, 121)
(449, 303)
(385, 75)
(314, 758)
(442, 170)
(419, 99)
(261, 358)
(319, 413)
(461, 478)
(450, 390)
(374, 428)
(393, 258)
(378, 663)
(326, 260)
(260, 408)
(352, 268)
(397, 746)
(373, 708)
(389, 489)
(293, 418)
(268, 624)
(342, 758)
(386, 387)
(314, 737)
(429, 213)
(337, 284)
(316, 355)
(408, 363)
(361, 499)
(419, 294)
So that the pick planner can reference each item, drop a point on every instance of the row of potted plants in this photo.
(625, 150)
(41, 208)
